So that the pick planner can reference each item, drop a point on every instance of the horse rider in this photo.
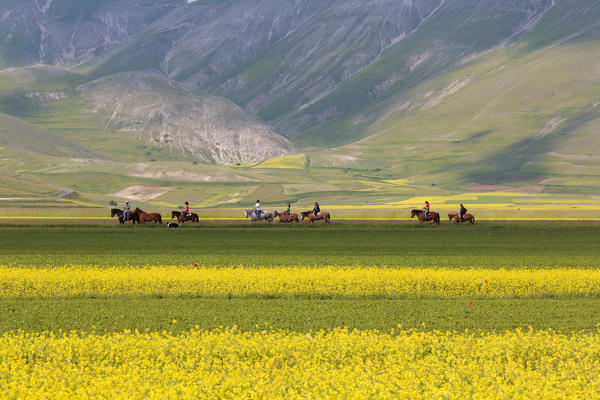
(316, 210)
(287, 212)
(463, 211)
(426, 209)
(257, 208)
(186, 210)
(126, 210)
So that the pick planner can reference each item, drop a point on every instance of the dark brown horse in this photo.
(467, 218)
(119, 213)
(304, 214)
(290, 217)
(179, 215)
(146, 217)
(432, 216)
(324, 215)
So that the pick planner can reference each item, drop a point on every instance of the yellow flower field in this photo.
(338, 364)
(297, 282)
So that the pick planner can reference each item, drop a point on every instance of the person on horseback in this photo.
(186, 211)
(426, 209)
(257, 209)
(126, 210)
(317, 210)
(462, 213)
(287, 213)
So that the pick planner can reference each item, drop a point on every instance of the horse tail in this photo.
(159, 218)
(437, 218)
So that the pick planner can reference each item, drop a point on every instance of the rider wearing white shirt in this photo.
(257, 208)
(126, 211)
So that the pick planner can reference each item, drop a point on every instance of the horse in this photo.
(266, 215)
(324, 215)
(467, 218)
(432, 216)
(179, 215)
(119, 213)
(452, 215)
(146, 217)
(290, 217)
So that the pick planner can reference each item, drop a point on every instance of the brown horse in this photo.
(452, 215)
(432, 216)
(145, 217)
(290, 217)
(467, 218)
(324, 215)
(119, 213)
(179, 215)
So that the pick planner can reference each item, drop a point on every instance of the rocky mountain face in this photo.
(164, 112)
(68, 32)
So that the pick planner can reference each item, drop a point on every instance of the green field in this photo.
(490, 245)
(500, 245)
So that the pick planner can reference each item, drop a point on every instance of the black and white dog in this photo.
(173, 225)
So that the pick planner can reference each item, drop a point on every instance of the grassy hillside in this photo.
(503, 118)
(21, 136)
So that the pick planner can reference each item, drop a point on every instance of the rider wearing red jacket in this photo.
(426, 209)
(186, 210)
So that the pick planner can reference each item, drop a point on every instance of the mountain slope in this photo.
(321, 72)
(449, 93)
(122, 112)
(312, 69)
(20, 135)
(505, 118)
(68, 32)
(163, 112)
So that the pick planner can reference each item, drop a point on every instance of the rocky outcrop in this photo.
(161, 111)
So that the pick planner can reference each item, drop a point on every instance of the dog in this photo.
(173, 225)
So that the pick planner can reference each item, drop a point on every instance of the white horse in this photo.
(266, 215)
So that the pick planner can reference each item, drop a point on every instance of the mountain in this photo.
(163, 112)
(451, 93)
(116, 112)
(309, 67)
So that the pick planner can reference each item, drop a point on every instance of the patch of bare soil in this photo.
(143, 193)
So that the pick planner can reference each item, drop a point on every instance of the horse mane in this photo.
(140, 210)
(417, 211)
